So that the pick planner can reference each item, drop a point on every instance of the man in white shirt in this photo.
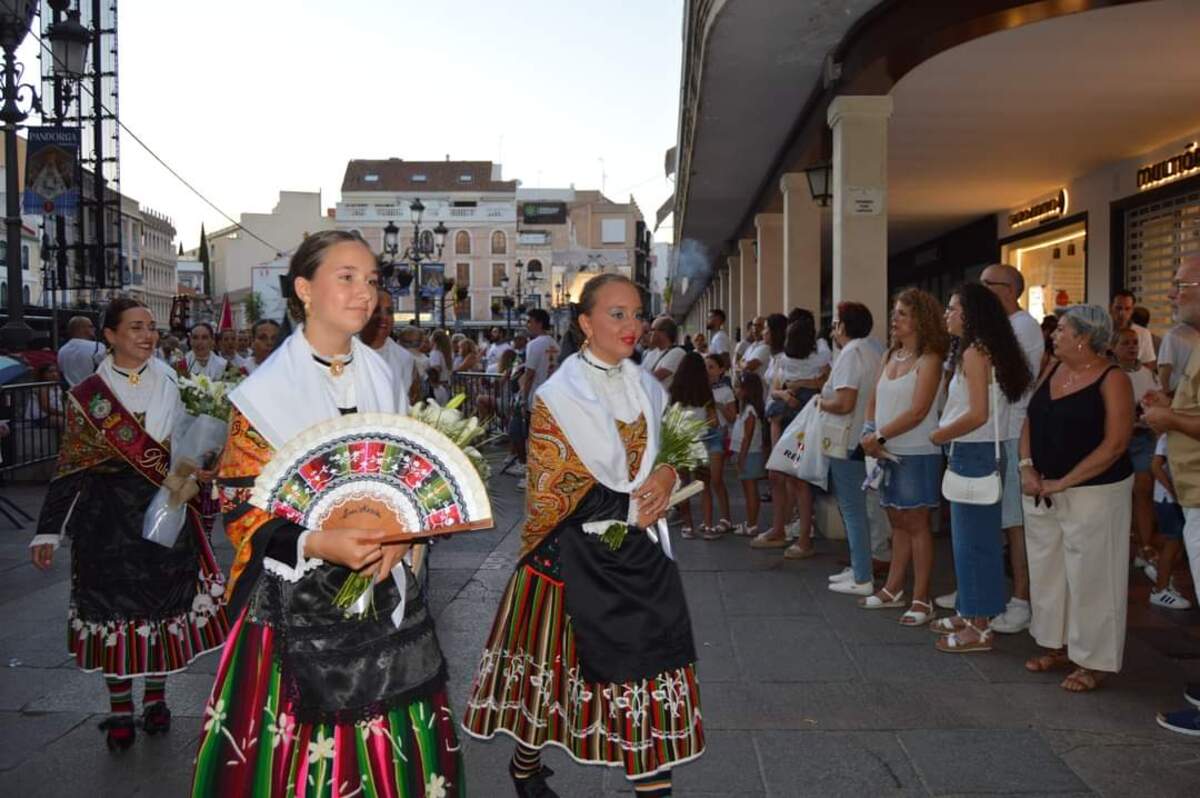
(664, 358)
(410, 340)
(79, 356)
(495, 351)
(1008, 285)
(541, 355)
(1121, 311)
(718, 339)
(1173, 354)
(758, 354)
(378, 335)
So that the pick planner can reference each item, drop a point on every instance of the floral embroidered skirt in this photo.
(155, 645)
(529, 686)
(252, 743)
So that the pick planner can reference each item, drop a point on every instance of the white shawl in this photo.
(285, 395)
(591, 428)
(156, 394)
(214, 369)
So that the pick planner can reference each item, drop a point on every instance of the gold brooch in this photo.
(337, 367)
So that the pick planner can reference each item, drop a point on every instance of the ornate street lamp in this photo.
(422, 247)
(820, 182)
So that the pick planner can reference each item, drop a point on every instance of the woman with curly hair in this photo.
(900, 417)
(988, 353)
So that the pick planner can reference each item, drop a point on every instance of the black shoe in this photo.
(535, 786)
(121, 732)
(156, 718)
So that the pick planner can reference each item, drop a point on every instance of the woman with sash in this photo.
(591, 649)
(137, 608)
(307, 701)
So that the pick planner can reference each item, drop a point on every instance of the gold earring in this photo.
(307, 307)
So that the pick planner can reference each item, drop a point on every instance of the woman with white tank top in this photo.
(900, 419)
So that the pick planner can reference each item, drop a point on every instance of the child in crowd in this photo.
(1170, 527)
(725, 404)
(1141, 446)
(747, 439)
(690, 387)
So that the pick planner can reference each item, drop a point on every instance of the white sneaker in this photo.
(1168, 599)
(844, 575)
(948, 601)
(852, 588)
(792, 531)
(1014, 619)
(1151, 572)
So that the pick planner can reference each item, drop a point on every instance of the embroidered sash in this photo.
(120, 429)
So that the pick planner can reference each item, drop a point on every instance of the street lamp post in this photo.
(16, 17)
(447, 287)
(416, 251)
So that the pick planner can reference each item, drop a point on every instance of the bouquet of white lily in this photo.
(681, 446)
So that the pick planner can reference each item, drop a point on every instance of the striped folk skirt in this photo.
(252, 743)
(529, 686)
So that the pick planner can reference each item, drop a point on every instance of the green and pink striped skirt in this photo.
(252, 743)
(529, 686)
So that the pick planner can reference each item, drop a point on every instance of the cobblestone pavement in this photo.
(803, 693)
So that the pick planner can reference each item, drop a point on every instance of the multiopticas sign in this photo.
(1173, 168)
(1046, 209)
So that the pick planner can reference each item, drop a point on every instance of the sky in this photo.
(245, 99)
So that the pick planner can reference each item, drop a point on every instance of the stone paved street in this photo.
(804, 694)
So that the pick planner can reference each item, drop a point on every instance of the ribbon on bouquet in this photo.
(363, 603)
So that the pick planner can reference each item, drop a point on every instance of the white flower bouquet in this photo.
(196, 439)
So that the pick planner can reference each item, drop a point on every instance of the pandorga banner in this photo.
(52, 170)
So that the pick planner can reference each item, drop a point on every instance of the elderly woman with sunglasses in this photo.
(1077, 480)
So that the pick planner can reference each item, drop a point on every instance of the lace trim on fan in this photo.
(303, 565)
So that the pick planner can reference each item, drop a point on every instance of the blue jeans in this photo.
(846, 482)
(978, 541)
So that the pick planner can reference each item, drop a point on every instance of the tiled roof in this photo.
(398, 175)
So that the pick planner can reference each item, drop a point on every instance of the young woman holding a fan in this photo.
(309, 699)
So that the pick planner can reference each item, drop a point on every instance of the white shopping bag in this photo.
(799, 452)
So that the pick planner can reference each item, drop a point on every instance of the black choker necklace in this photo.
(599, 366)
(336, 366)
(134, 377)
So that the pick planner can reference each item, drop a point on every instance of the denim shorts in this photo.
(916, 481)
(1011, 512)
(1170, 520)
(1141, 449)
(714, 441)
(755, 467)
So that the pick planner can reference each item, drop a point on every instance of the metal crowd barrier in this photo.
(33, 412)
(488, 396)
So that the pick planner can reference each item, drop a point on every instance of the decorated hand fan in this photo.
(375, 471)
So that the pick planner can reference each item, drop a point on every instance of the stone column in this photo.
(733, 309)
(748, 269)
(770, 263)
(801, 246)
(860, 131)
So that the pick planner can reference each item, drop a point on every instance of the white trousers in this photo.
(1191, 541)
(1079, 572)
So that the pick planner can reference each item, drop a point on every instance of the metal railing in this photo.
(33, 414)
(490, 397)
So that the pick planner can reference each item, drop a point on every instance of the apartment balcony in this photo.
(359, 213)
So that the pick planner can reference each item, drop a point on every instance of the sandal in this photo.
(915, 617)
(1049, 661)
(1083, 680)
(711, 532)
(745, 530)
(883, 600)
(766, 540)
(948, 625)
(798, 552)
(724, 526)
(686, 533)
(956, 643)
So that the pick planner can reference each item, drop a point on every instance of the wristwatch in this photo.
(1025, 461)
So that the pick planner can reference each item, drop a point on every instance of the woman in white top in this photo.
(201, 359)
(900, 419)
(440, 358)
(973, 415)
(843, 403)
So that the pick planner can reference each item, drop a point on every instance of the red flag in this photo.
(226, 322)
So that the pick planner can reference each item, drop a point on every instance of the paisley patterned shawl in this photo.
(246, 454)
(82, 446)
(558, 479)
